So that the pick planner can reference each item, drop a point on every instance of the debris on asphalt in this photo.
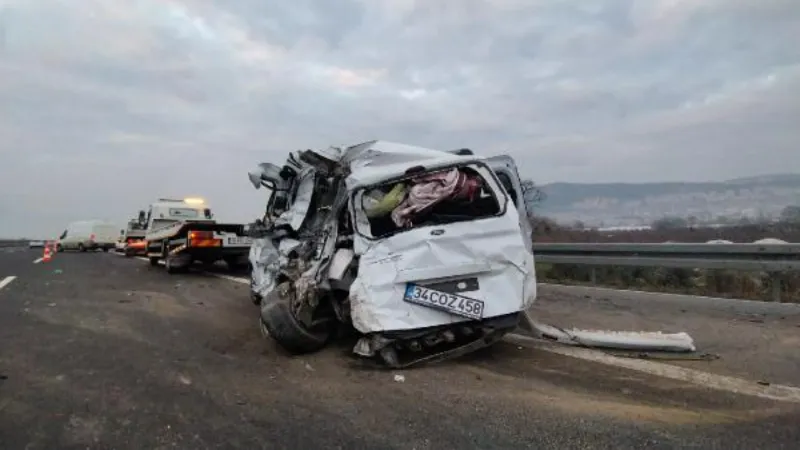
(185, 380)
(621, 340)
(51, 304)
(308, 367)
(58, 271)
(399, 378)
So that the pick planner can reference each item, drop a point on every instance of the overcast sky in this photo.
(105, 105)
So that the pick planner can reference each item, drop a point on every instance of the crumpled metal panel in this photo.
(267, 261)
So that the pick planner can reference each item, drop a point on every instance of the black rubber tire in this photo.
(172, 268)
(287, 331)
(105, 249)
(59, 248)
(81, 248)
(234, 265)
(128, 253)
(153, 260)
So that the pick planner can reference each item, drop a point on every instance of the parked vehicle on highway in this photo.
(35, 244)
(88, 235)
(131, 241)
(425, 253)
(181, 232)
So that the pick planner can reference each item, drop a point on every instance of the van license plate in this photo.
(443, 301)
(239, 240)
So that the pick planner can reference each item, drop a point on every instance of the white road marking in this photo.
(719, 382)
(6, 281)
(38, 260)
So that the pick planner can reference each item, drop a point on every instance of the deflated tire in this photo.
(291, 334)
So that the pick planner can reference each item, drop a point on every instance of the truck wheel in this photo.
(105, 249)
(154, 260)
(172, 267)
(81, 248)
(59, 248)
(234, 265)
(280, 323)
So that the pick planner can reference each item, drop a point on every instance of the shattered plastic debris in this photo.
(399, 378)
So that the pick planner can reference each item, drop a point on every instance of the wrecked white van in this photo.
(425, 253)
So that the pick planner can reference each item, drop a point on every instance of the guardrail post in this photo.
(593, 275)
(775, 281)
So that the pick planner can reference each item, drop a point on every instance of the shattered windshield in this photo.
(427, 198)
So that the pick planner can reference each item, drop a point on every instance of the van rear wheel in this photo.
(81, 248)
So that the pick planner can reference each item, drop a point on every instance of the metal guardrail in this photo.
(776, 259)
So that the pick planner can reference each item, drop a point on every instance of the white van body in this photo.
(89, 235)
(447, 285)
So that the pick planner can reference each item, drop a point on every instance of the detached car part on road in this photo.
(426, 253)
(180, 232)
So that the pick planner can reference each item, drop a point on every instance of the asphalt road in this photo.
(100, 351)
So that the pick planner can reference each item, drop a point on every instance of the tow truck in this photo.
(181, 232)
(132, 238)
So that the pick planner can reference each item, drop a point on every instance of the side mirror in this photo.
(255, 178)
(265, 174)
(121, 232)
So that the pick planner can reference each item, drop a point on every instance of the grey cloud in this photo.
(106, 105)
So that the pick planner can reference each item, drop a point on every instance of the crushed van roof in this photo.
(374, 161)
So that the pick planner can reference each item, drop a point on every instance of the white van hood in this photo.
(491, 250)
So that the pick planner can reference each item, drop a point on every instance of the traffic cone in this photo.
(47, 256)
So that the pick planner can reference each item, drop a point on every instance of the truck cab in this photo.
(131, 240)
(180, 232)
(166, 212)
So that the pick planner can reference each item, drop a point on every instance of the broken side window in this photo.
(505, 180)
(428, 198)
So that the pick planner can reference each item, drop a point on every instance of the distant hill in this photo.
(612, 204)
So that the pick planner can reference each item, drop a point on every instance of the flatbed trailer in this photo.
(179, 241)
